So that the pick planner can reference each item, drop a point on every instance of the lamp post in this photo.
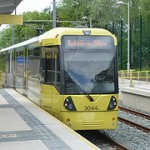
(128, 55)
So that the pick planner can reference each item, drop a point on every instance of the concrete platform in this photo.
(136, 95)
(25, 126)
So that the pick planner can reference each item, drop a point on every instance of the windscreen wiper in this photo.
(82, 90)
(90, 98)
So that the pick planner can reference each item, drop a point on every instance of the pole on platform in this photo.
(13, 41)
(128, 44)
(54, 13)
(128, 60)
(121, 42)
(140, 44)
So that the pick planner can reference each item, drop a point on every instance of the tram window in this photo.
(48, 67)
(33, 63)
(57, 71)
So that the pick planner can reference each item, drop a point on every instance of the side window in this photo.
(57, 70)
(33, 63)
(48, 68)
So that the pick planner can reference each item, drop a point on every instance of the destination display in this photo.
(88, 42)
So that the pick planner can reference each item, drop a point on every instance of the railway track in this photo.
(116, 139)
(99, 139)
(135, 112)
(134, 124)
(115, 144)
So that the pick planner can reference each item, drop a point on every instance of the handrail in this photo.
(134, 77)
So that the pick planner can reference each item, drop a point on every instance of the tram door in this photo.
(51, 96)
(47, 87)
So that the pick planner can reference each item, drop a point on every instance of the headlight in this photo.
(113, 103)
(69, 105)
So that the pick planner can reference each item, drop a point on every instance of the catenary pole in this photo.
(54, 13)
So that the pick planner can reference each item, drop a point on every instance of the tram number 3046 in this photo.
(91, 108)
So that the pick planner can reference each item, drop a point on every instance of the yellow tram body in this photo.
(82, 119)
(40, 74)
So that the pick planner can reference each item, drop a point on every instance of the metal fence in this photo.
(133, 77)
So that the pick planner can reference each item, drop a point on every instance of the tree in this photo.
(26, 31)
(103, 14)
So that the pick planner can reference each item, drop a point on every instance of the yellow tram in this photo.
(69, 72)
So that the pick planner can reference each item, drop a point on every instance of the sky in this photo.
(32, 5)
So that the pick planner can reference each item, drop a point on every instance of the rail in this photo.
(133, 124)
(135, 112)
(101, 138)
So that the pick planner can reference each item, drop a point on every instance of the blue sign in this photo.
(20, 59)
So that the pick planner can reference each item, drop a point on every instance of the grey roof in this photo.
(8, 6)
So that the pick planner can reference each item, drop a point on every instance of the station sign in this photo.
(11, 19)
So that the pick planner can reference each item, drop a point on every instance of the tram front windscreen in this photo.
(89, 64)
